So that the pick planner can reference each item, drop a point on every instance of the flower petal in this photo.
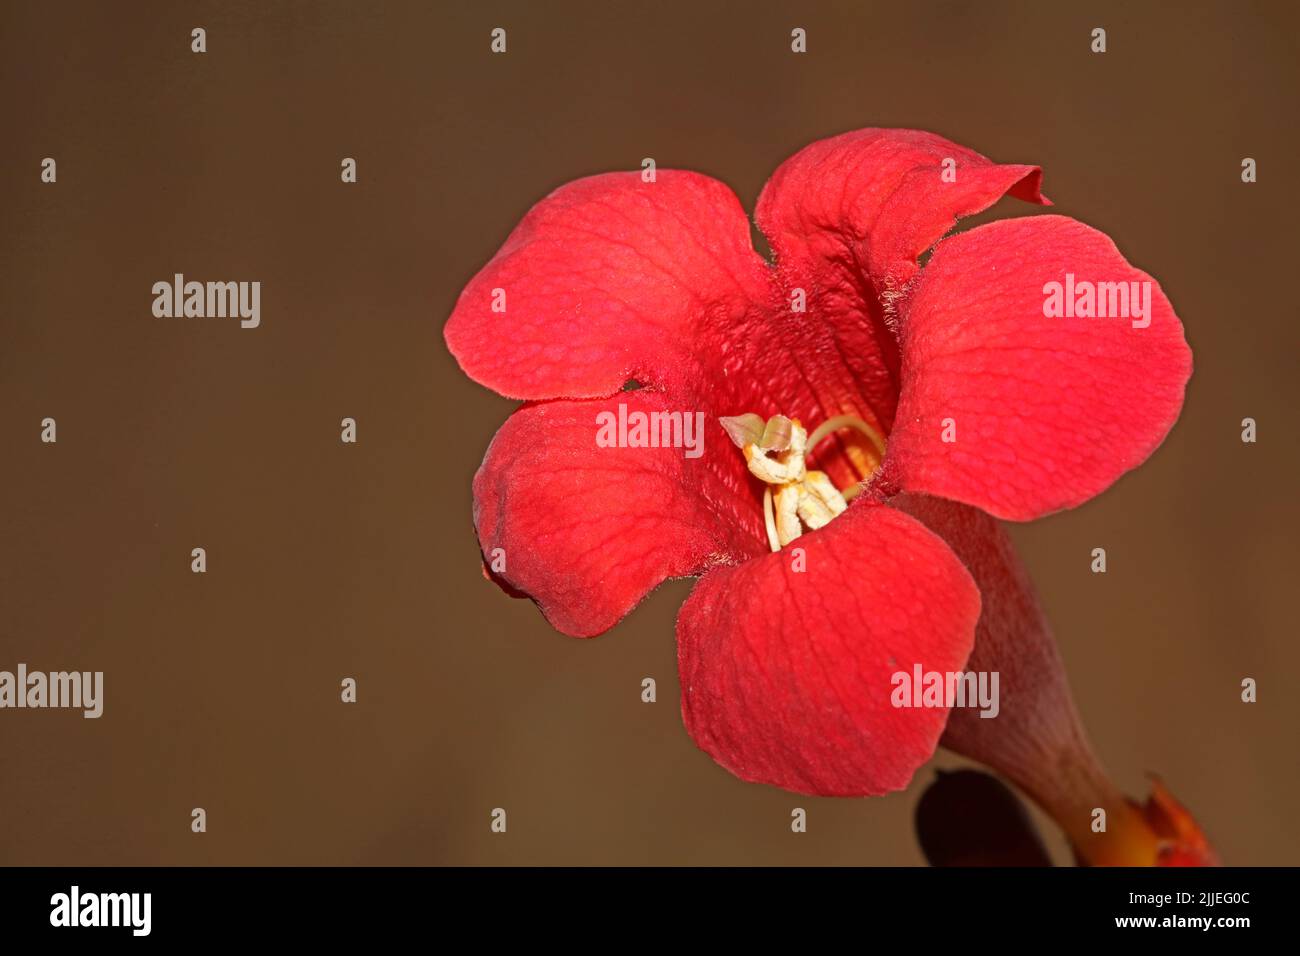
(881, 197)
(847, 218)
(1041, 413)
(787, 675)
(586, 531)
(608, 279)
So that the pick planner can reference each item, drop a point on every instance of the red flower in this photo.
(979, 390)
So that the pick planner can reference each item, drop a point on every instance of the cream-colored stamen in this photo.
(773, 539)
(787, 513)
(783, 463)
(775, 453)
(819, 500)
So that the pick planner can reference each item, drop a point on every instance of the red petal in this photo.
(587, 531)
(884, 189)
(848, 216)
(1048, 412)
(608, 279)
(786, 675)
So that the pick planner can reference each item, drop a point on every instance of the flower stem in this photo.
(1037, 741)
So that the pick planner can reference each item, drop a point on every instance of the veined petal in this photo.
(587, 531)
(847, 218)
(1018, 412)
(787, 675)
(883, 196)
(607, 279)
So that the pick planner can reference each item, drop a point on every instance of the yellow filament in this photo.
(846, 421)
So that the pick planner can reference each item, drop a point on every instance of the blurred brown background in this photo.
(328, 560)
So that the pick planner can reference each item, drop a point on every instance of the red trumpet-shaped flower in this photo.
(1023, 370)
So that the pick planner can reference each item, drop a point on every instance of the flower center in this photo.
(776, 453)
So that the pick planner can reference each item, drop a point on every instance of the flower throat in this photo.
(776, 452)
